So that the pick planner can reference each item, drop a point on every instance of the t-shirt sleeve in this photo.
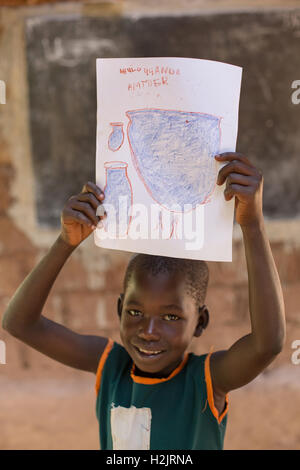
(102, 362)
(209, 390)
(200, 369)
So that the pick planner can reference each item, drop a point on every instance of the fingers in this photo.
(90, 199)
(244, 187)
(229, 156)
(86, 207)
(237, 178)
(242, 178)
(238, 170)
(71, 215)
(94, 189)
(238, 190)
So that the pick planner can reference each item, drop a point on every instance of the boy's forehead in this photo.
(142, 279)
(164, 286)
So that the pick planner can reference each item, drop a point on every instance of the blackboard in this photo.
(61, 59)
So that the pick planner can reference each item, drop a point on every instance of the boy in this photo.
(150, 393)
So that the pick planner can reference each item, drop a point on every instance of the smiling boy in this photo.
(158, 340)
(151, 394)
(143, 382)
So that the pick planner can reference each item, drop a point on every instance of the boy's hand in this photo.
(245, 182)
(78, 217)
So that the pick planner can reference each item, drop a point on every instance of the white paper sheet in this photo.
(160, 121)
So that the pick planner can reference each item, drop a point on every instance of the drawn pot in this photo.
(117, 203)
(173, 154)
(116, 137)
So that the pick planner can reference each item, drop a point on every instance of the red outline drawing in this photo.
(119, 165)
(135, 163)
(115, 125)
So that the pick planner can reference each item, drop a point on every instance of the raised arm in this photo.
(251, 354)
(23, 318)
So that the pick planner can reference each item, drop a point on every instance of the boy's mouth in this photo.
(148, 353)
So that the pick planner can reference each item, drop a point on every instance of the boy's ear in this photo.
(120, 304)
(203, 320)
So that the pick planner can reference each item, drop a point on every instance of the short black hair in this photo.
(195, 272)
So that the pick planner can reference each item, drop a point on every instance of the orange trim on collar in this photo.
(102, 361)
(152, 381)
(210, 394)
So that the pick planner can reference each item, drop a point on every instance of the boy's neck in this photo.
(141, 373)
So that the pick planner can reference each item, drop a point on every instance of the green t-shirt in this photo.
(141, 413)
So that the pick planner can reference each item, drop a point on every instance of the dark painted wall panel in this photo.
(62, 52)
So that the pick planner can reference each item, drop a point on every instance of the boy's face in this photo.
(158, 321)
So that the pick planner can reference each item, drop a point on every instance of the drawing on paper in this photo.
(116, 137)
(173, 154)
(167, 127)
(118, 194)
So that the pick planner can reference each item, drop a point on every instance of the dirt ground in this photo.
(55, 409)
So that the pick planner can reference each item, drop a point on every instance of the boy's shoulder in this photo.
(198, 361)
(117, 353)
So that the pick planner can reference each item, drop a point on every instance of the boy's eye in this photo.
(171, 317)
(168, 316)
(134, 313)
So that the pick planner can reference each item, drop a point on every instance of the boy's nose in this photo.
(148, 330)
